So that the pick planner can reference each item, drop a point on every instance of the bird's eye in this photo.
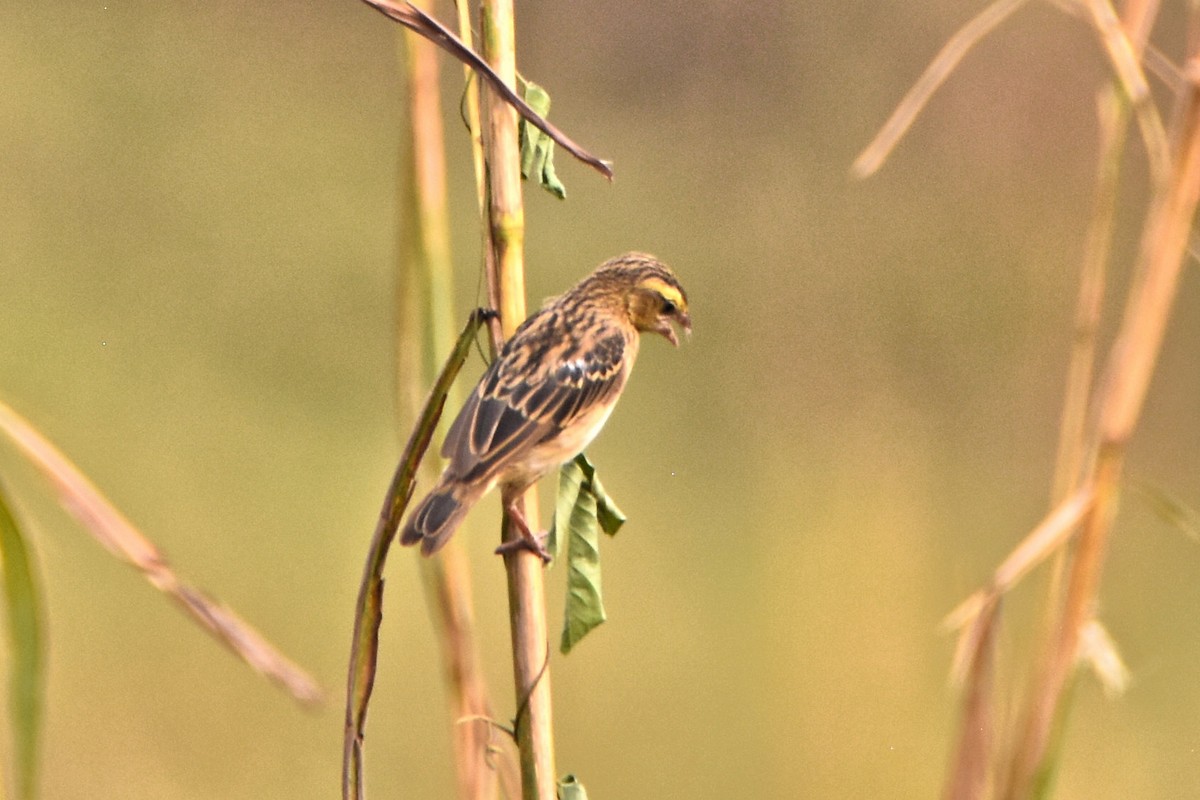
(668, 307)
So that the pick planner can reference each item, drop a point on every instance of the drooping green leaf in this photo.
(532, 153)
(570, 484)
(27, 669)
(537, 148)
(569, 788)
(582, 511)
(611, 518)
(585, 606)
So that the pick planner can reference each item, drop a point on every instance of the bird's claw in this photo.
(534, 544)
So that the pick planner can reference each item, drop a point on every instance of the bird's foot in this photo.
(535, 544)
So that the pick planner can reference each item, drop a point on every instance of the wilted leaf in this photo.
(569, 788)
(585, 606)
(26, 669)
(570, 484)
(611, 518)
(537, 149)
(583, 510)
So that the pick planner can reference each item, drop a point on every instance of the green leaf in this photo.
(570, 484)
(569, 788)
(611, 517)
(26, 667)
(537, 149)
(582, 511)
(585, 606)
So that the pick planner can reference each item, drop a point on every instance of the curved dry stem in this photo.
(368, 612)
(417, 20)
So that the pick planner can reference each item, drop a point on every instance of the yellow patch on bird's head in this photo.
(671, 293)
(656, 303)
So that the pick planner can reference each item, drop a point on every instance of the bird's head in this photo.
(654, 298)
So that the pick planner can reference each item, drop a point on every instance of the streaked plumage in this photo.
(549, 392)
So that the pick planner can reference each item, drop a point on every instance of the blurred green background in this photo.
(197, 239)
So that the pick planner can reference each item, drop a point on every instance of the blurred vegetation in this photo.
(198, 248)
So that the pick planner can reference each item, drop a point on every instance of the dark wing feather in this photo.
(514, 408)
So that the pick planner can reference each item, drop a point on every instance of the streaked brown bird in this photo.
(548, 394)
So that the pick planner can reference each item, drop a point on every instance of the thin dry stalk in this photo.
(1131, 364)
(424, 301)
(971, 766)
(872, 158)
(1123, 53)
(526, 590)
(1074, 442)
(124, 541)
(472, 114)
(1125, 56)
(1084, 490)
(1113, 117)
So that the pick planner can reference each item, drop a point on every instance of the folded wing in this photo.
(512, 410)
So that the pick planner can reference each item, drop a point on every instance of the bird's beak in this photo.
(668, 331)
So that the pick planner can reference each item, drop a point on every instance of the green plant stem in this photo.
(26, 652)
(526, 590)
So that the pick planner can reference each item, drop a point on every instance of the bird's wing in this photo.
(543, 380)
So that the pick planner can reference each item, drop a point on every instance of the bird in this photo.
(547, 394)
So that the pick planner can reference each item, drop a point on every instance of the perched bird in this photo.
(548, 393)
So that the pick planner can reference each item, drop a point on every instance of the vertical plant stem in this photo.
(26, 653)
(969, 768)
(470, 107)
(1122, 395)
(506, 280)
(425, 332)
(1072, 439)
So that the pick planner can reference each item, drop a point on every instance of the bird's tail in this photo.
(436, 518)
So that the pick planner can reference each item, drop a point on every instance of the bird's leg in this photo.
(528, 540)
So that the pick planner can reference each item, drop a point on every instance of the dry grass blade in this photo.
(1164, 245)
(1170, 509)
(417, 20)
(872, 158)
(85, 502)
